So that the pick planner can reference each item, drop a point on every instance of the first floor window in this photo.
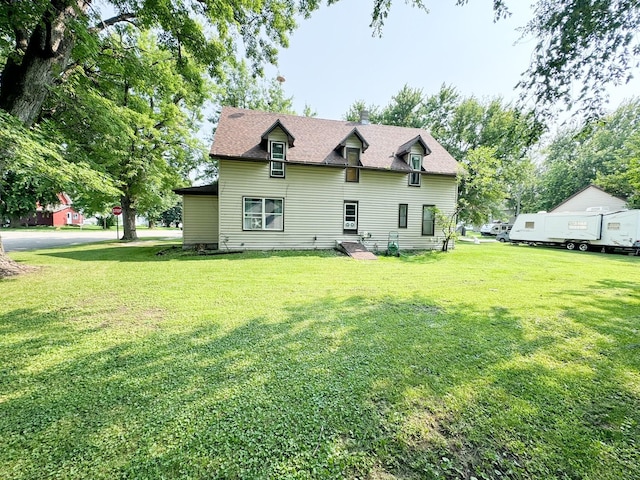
(276, 169)
(428, 220)
(402, 215)
(263, 214)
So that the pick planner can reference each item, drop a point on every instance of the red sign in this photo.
(116, 210)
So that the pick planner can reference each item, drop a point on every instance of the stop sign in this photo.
(116, 210)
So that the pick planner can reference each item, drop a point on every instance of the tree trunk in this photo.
(26, 80)
(128, 218)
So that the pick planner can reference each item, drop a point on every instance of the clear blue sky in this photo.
(333, 59)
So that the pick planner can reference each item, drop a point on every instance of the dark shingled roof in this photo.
(202, 190)
(240, 131)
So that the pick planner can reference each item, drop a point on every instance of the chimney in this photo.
(364, 117)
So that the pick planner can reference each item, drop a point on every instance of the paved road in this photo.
(19, 240)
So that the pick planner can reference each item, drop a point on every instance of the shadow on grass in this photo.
(337, 388)
(163, 252)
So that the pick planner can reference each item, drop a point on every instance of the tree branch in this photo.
(123, 17)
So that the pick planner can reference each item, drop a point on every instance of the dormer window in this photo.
(277, 151)
(353, 161)
(415, 162)
(277, 156)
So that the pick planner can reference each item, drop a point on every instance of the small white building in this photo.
(591, 197)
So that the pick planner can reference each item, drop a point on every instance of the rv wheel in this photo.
(571, 246)
(583, 247)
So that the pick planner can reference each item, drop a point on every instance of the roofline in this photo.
(332, 165)
(582, 190)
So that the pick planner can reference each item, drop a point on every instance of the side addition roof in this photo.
(201, 190)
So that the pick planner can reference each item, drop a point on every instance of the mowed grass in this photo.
(490, 362)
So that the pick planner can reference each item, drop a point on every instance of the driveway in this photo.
(25, 239)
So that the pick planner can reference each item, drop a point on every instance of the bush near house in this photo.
(491, 361)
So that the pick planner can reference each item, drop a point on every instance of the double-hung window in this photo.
(402, 215)
(415, 162)
(276, 168)
(428, 221)
(353, 161)
(263, 214)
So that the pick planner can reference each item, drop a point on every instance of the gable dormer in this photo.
(416, 145)
(351, 148)
(413, 153)
(276, 140)
(353, 140)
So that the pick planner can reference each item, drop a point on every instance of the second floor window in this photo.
(353, 161)
(277, 151)
(276, 169)
(415, 162)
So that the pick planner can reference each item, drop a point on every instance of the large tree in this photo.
(489, 138)
(603, 152)
(132, 114)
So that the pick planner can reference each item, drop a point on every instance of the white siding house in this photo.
(288, 182)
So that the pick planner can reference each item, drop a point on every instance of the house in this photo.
(55, 215)
(591, 197)
(291, 182)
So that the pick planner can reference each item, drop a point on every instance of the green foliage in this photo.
(35, 168)
(490, 139)
(602, 152)
(244, 90)
(172, 215)
(592, 42)
(134, 117)
(484, 362)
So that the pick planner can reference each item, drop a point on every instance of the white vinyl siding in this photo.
(200, 219)
(589, 198)
(314, 197)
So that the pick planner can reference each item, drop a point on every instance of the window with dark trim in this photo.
(428, 220)
(262, 213)
(350, 216)
(415, 162)
(276, 169)
(353, 161)
(402, 215)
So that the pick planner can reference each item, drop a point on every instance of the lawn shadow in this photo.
(160, 252)
(337, 388)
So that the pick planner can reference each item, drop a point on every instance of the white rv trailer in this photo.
(589, 230)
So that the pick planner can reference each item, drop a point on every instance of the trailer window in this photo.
(577, 225)
(529, 224)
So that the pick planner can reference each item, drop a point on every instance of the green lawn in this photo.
(490, 362)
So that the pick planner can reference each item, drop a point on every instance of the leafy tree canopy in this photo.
(603, 152)
(489, 138)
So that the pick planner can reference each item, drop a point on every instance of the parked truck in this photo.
(589, 230)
